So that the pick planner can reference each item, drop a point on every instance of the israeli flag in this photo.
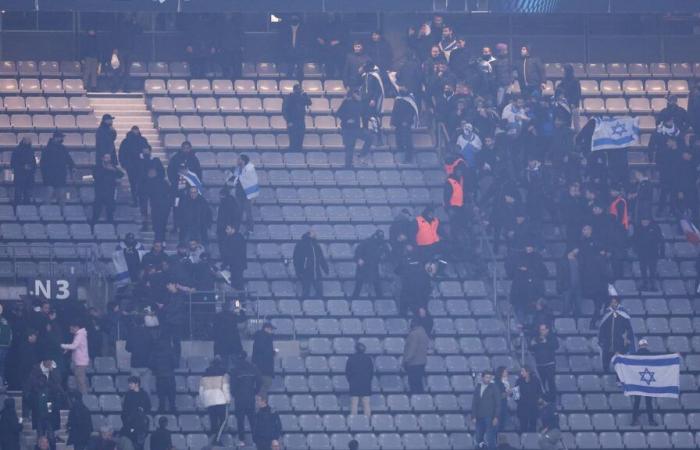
(192, 179)
(615, 132)
(649, 375)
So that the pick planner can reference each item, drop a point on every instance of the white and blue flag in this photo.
(615, 132)
(649, 375)
(191, 179)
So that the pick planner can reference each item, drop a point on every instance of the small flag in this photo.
(615, 132)
(649, 375)
(192, 179)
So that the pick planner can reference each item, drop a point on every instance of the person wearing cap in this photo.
(106, 177)
(368, 256)
(129, 158)
(104, 139)
(615, 335)
(643, 349)
(359, 371)
(294, 110)
(649, 246)
(23, 164)
(245, 381)
(310, 264)
(56, 165)
(264, 356)
(350, 114)
(44, 395)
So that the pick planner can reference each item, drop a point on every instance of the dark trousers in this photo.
(367, 277)
(606, 356)
(350, 137)
(485, 432)
(160, 222)
(240, 422)
(134, 185)
(528, 420)
(635, 408)
(306, 284)
(267, 445)
(547, 377)
(415, 374)
(648, 268)
(217, 415)
(247, 206)
(107, 204)
(23, 191)
(165, 388)
(404, 141)
(296, 137)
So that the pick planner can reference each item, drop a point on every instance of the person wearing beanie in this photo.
(104, 140)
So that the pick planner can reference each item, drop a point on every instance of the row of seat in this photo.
(18, 104)
(624, 70)
(243, 105)
(48, 122)
(47, 86)
(41, 68)
(242, 87)
(633, 88)
(620, 105)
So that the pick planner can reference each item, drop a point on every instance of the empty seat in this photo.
(200, 87)
(633, 87)
(30, 86)
(610, 88)
(617, 70)
(73, 86)
(596, 70)
(616, 106)
(184, 105)
(639, 70)
(678, 87)
(594, 105)
(245, 87)
(8, 86)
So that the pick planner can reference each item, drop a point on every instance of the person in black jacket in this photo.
(530, 73)
(233, 249)
(615, 334)
(294, 46)
(530, 393)
(161, 439)
(649, 245)
(163, 364)
(354, 62)
(195, 217)
(332, 44)
(309, 263)
(267, 431)
(79, 424)
(593, 267)
(90, 54)
(129, 156)
(264, 356)
(643, 349)
(139, 343)
(183, 159)
(245, 382)
(229, 212)
(368, 256)
(543, 348)
(404, 117)
(350, 115)
(227, 338)
(294, 111)
(416, 284)
(359, 371)
(528, 272)
(143, 166)
(56, 165)
(106, 177)
(45, 396)
(104, 140)
(23, 164)
(135, 410)
(160, 198)
(570, 88)
(10, 426)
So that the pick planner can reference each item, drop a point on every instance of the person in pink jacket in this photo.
(80, 356)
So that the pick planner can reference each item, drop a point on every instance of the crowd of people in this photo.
(517, 165)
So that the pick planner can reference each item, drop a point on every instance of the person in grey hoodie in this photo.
(415, 356)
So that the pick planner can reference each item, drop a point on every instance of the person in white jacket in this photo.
(215, 394)
(80, 356)
(244, 180)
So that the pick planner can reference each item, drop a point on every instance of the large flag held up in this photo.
(649, 375)
(615, 132)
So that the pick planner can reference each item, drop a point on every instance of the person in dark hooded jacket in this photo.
(129, 155)
(264, 356)
(104, 140)
(245, 382)
(10, 426)
(615, 334)
(593, 266)
(268, 427)
(56, 165)
(233, 249)
(528, 272)
(310, 264)
(227, 338)
(649, 246)
(160, 198)
(23, 164)
(195, 217)
(359, 371)
(368, 256)
(161, 439)
(163, 364)
(106, 177)
(184, 158)
(229, 212)
(79, 423)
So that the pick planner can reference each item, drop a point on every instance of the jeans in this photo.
(547, 376)
(266, 382)
(485, 432)
(415, 374)
(354, 405)
(404, 141)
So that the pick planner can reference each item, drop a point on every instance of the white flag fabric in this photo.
(649, 375)
(121, 270)
(615, 132)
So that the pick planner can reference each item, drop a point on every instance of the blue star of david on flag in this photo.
(647, 376)
(619, 129)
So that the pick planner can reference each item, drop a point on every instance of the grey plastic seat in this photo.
(587, 440)
(382, 422)
(398, 403)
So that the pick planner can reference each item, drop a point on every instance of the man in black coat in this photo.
(332, 42)
(615, 334)
(135, 411)
(368, 256)
(129, 156)
(245, 383)
(264, 357)
(294, 111)
(267, 431)
(649, 245)
(294, 47)
(104, 140)
(309, 264)
(227, 338)
(79, 423)
(45, 396)
(229, 212)
(359, 371)
(56, 165)
(195, 217)
(160, 198)
(233, 249)
(593, 265)
(354, 62)
(643, 349)
(543, 348)
(486, 409)
(416, 284)
(528, 272)
(139, 343)
(183, 159)
(23, 164)
(106, 177)
(156, 256)
(350, 115)
(163, 364)
(161, 439)
(404, 118)
(531, 73)
(380, 52)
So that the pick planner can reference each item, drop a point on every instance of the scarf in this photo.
(411, 101)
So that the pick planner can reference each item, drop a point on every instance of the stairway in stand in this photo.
(128, 110)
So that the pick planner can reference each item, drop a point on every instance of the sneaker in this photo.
(241, 443)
